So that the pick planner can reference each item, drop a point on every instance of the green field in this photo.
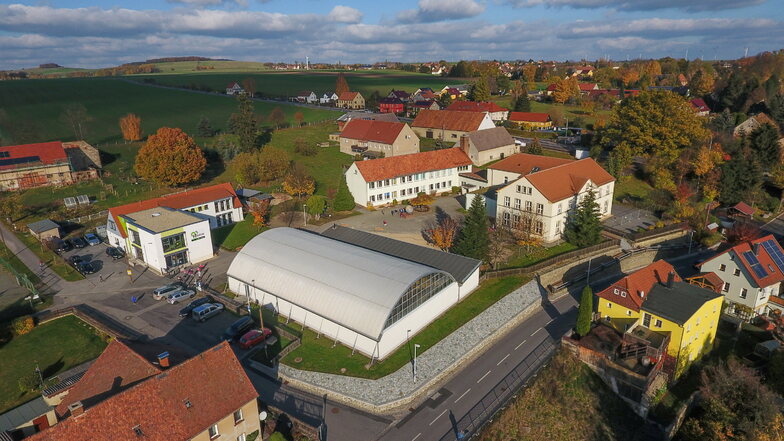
(55, 346)
(39, 103)
(291, 83)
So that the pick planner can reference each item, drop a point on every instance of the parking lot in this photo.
(105, 266)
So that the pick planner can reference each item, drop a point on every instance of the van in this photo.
(239, 327)
(203, 312)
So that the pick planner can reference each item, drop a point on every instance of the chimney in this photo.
(163, 359)
(464, 144)
(76, 408)
(670, 279)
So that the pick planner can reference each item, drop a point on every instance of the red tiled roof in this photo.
(529, 117)
(699, 105)
(523, 163)
(774, 273)
(562, 181)
(474, 106)
(213, 382)
(185, 199)
(232, 84)
(449, 120)
(46, 153)
(427, 94)
(630, 291)
(393, 166)
(585, 87)
(369, 130)
(551, 87)
(347, 96)
(744, 208)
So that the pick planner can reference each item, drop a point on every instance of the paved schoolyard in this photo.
(630, 219)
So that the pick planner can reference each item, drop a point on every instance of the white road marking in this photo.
(436, 419)
(521, 343)
(502, 360)
(551, 320)
(461, 396)
(536, 332)
(418, 435)
(483, 377)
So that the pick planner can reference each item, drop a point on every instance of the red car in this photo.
(254, 337)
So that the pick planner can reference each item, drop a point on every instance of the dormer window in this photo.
(137, 429)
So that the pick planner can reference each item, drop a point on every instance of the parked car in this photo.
(254, 337)
(115, 253)
(239, 327)
(86, 268)
(64, 246)
(92, 239)
(78, 242)
(208, 310)
(75, 260)
(180, 294)
(165, 290)
(186, 311)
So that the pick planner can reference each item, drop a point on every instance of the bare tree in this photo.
(526, 228)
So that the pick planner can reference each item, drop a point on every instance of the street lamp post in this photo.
(415, 359)
(691, 235)
(304, 215)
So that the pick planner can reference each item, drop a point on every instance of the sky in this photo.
(79, 33)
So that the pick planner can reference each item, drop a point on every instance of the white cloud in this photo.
(439, 10)
(667, 28)
(345, 14)
(643, 5)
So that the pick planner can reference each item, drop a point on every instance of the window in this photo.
(628, 312)
(517, 203)
(539, 208)
(519, 188)
(238, 416)
(560, 209)
(173, 242)
(609, 305)
(214, 431)
(726, 287)
(528, 205)
(743, 292)
(506, 218)
(538, 227)
(722, 267)
(417, 294)
(507, 201)
(372, 185)
(605, 206)
(135, 239)
(646, 320)
(657, 323)
(736, 272)
(558, 227)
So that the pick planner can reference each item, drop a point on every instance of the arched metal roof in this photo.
(352, 286)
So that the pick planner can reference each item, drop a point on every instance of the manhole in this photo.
(298, 360)
(335, 410)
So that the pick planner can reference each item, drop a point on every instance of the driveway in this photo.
(630, 219)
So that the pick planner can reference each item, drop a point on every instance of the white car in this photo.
(164, 291)
(180, 294)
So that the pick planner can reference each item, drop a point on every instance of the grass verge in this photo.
(521, 259)
(17, 264)
(317, 354)
(54, 346)
(52, 260)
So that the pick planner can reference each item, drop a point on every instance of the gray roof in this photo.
(348, 116)
(42, 225)
(247, 192)
(678, 303)
(490, 138)
(23, 414)
(352, 286)
(460, 267)
(162, 219)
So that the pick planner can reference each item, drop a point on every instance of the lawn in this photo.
(572, 112)
(52, 260)
(234, 236)
(632, 188)
(521, 259)
(317, 354)
(16, 264)
(55, 346)
(284, 84)
(39, 104)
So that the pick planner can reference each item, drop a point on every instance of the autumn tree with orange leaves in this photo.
(131, 126)
(442, 232)
(259, 212)
(170, 157)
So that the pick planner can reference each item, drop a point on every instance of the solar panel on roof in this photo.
(755, 264)
(775, 253)
(17, 161)
(69, 202)
(83, 199)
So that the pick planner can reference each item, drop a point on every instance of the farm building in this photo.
(365, 293)
(48, 163)
(44, 229)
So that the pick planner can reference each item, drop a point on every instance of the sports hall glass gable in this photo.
(418, 293)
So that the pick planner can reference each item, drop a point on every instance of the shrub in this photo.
(304, 148)
(29, 383)
(23, 325)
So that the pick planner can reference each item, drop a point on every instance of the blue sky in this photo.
(84, 33)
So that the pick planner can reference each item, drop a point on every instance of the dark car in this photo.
(238, 328)
(115, 253)
(64, 246)
(86, 268)
(78, 242)
(186, 311)
(75, 260)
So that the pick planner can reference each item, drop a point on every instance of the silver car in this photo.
(180, 294)
(203, 312)
(164, 291)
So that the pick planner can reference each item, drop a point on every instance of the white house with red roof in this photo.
(700, 107)
(546, 191)
(234, 88)
(173, 230)
(378, 138)
(381, 181)
(751, 273)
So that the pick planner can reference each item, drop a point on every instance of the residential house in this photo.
(699, 106)
(351, 100)
(399, 178)
(449, 125)
(425, 94)
(496, 112)
(328, 98)
(488, 145)
(125, 395)
(391, 105)
(515, 166)
(657, 302)
(173, 230)
(378, 138)
(682, 80)
(583, 71)
(545, 198)
(234, 88)
(456, 91)
(753, 123)
(414, 108)
(344, 119)
(531, 120)
(48, 163)
(307, 96)
(751, 273)
(402, 95)
(586, 88)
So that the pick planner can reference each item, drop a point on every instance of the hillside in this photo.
(566, 402)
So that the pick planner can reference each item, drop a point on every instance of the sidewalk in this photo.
(30, 259)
